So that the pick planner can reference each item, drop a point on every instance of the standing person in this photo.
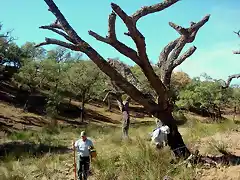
(83, 146)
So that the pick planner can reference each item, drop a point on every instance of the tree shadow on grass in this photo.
(17, 149)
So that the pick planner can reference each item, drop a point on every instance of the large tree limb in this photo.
(61, 19)
(152, 9)
(229, 80)
(139, 40)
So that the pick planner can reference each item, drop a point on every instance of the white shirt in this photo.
(160, 134)
(83, 147)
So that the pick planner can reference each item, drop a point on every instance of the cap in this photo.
(83, 133)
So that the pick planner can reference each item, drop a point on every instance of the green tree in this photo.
(85, 81)
(30, 51)
(206, 95)
(51, 75)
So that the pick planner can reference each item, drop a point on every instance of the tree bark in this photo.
(175, 140)
(126, 118)
(109, 103)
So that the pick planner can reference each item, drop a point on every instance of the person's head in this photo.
(83, 135)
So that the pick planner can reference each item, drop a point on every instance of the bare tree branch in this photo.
(111, 27)
(111, 39)
(179, 29)
(236, 52)
(152, 9)
(238, 33)
(184, 56)
(117, 96)
(59, 32)
(229, 80)
(166, 51)
(60, 43)
(98, 37)
(196, 26)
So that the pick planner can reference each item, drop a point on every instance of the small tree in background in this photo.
(85, 81)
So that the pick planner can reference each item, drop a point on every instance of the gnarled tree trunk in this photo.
(170, 58)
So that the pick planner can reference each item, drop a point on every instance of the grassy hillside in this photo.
(43, 151)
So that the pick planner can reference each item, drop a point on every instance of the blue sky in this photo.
(215, 41)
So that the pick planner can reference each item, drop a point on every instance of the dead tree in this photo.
(169, 59)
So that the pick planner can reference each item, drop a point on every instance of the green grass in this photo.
(134, 159)
(197, 130)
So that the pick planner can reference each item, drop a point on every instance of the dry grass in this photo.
(135, 159)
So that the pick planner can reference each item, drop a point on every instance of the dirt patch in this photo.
(231, 141)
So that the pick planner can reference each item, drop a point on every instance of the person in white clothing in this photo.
(159, 136)
(83, 147)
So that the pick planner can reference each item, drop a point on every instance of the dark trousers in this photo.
(83, 170)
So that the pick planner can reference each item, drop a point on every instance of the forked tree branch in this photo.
(184, 56)
(170, 56)
(111, 39)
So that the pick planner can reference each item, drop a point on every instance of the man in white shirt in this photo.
(83, 147)
(159, 136)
